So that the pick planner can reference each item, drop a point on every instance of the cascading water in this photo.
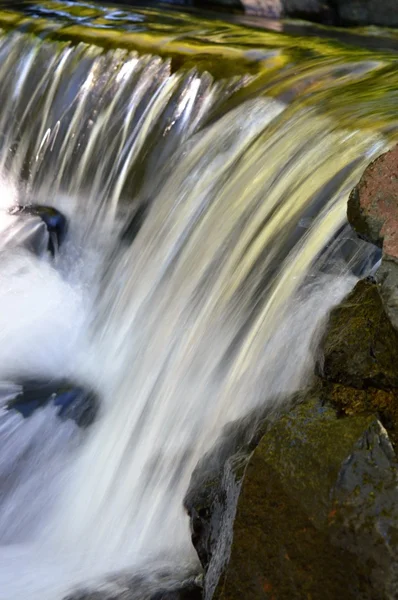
(206, 244)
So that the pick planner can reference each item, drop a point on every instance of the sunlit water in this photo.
(210, 308)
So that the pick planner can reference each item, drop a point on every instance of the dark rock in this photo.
(188, 590)
(54, 221)
(152, 586)
(317, 516)
(360, 347)
(134, 224)
(74, 402)
(387, 278)
(368, 12)
(215, 483)
(313, 10)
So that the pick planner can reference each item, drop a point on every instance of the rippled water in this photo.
(207, 242)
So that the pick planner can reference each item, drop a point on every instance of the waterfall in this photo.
(208, 306)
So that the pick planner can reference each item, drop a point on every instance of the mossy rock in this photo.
(360, 347)
(317, 516)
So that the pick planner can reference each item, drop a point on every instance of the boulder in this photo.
(317, 516)
(359, 354)
(373, 213)
(360, 346)
(372, 208)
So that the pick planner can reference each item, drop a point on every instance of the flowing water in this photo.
(206, 244)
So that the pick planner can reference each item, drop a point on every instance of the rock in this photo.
(317, 516)
(151, 586)
(360, 346)
(373, 213)
(188, 590)
(214, 488)
(74, 402)
(313, 10)
(368, 12)
(387, 278)
(373, 204)
(54, 221)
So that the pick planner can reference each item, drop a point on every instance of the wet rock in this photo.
(360, 347)
(155, 586)
(188, 590)
(313, 10)
(368, 12)
(55, 222)
(387, 278)
(317, 516)
(214, 488)
(373, 204)
(73, 401)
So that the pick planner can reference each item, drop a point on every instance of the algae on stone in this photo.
(304, 526)
(360, 346)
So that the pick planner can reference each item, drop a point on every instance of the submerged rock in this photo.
(73, 401)
(188, 590)
(55, 222)
(154, 586)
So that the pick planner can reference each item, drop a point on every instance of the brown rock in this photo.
(373, 204)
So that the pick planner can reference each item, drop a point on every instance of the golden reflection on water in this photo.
(355, 84)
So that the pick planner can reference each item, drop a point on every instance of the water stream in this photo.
(206, 243)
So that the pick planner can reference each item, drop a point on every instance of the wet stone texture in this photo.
(317, 516)
(360, 347)
(308, 509)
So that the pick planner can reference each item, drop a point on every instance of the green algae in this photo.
(224, 49)
(307, 523)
